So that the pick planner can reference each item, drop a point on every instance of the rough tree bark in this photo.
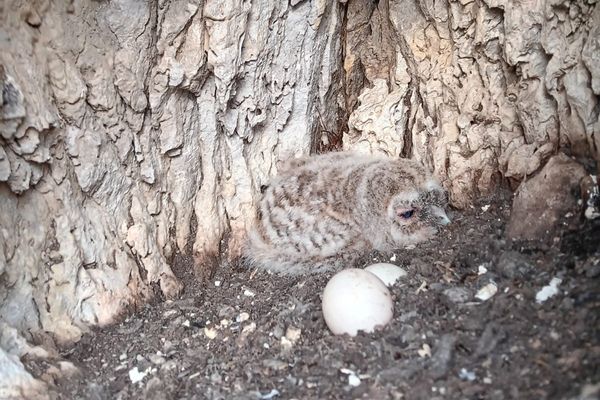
(477, 90)
(131, 130)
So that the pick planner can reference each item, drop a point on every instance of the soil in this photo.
(442, 343)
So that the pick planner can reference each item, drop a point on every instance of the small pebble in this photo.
(210, 333)
(457, 295)
(293, 334)
(136, 376)
(487, 292)
(249, 328)
(156, 359)
(286, 344)
(466, 375)
(170, 313)
(225, 323)
(270, 395)
(353, 380)
(244, 316)
(424, 351)
(167, 346)
(513, 265)
(548, 291)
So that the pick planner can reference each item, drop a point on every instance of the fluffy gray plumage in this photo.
(321, 212)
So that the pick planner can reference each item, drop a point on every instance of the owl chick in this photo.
(322, 212)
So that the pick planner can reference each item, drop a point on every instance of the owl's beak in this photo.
(440, 215)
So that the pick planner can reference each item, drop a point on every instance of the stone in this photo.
(457, 295)
(542, 201)
(513, 265)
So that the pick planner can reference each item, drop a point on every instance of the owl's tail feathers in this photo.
(258, 254)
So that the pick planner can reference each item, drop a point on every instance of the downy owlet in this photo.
(322, 212)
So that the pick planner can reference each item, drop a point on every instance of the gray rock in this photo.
(457, 295)
(589, 392)
(512, 264)
(592, 268)
(156, 359)
(157, 389)
(543, 200)
(96, 391)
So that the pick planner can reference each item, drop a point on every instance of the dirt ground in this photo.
(251, 335)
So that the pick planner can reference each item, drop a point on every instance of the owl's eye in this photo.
(406, 214)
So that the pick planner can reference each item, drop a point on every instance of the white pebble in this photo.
(548, 291)
(293, 334)
(487, 292)
(270, 395)
(210, 333)
(225, 323)
(466, 375)
(136, 376)
(353, 380)
(286, 344)
(251, 327)
(244, 316)
(424, 351)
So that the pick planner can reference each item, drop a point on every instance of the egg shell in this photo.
(388, 273)
(355, 299)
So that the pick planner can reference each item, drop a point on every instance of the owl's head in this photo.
(417, 214)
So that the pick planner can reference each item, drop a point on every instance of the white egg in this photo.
(354, 300)
(388, 273)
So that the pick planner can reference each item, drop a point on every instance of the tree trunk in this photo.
(478, 90)
(132, 130)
